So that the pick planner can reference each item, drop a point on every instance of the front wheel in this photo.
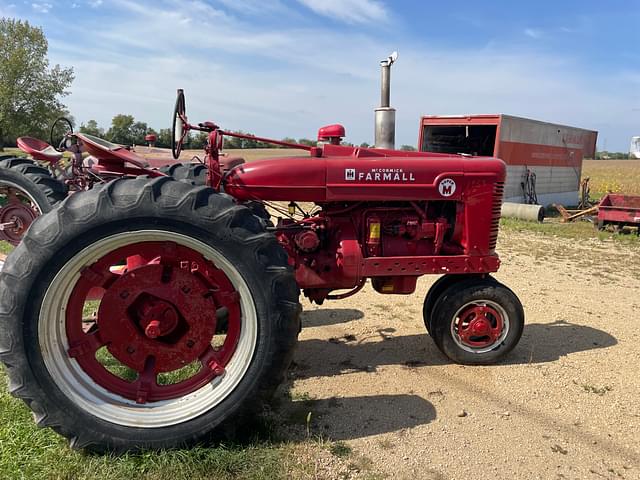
(477, 321)
(112, 311)
(437, 289)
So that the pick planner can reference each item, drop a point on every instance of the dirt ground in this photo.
(564, 404)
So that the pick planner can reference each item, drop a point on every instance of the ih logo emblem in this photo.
(350, 174)
(447, 187)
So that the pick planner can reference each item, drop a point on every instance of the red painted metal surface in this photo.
(156, 317)
(479, 326)
(38, 149)
(332, 134)
(16, 215)
(387, 215)
(113, 159)
(382, 214)
(619, 209)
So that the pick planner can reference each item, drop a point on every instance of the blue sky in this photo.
(284, 68)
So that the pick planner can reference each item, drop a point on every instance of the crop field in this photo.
(617, 176)
(370, 397)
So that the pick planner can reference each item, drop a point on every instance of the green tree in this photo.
(199, 140)
(164, 138)
(121, 129)
(92, 128)
(364, 145)
(30, 90)
(408, 148)
(138, 132)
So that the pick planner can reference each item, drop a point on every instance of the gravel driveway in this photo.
(564, 404)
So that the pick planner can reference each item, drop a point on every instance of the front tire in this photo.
(436, 291)
(193, 258)
(477, 322)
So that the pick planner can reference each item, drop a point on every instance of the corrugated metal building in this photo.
(553, 152)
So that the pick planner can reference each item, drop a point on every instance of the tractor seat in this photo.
(38, 149)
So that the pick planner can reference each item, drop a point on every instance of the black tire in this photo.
(45, 189)
(436, 290)
(191, 173)
(486, 291)
(142, 205)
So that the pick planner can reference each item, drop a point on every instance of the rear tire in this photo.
(477, 322)
(33, 192)
(37, 293)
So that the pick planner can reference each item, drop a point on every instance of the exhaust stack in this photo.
(385, 119)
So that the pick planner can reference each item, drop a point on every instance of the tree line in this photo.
(125, 130)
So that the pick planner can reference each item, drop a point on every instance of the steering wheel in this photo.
(61, 144)
(178, 130)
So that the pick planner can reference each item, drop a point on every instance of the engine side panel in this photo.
(350, 178)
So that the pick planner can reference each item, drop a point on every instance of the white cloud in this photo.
(533, 33)
(350, 11)
(276, 82)
(42, 7)
(95, 3)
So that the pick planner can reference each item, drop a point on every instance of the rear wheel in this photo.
(477, 321)
(26, 191)
(151, 368)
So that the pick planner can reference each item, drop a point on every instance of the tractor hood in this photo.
(356, 174)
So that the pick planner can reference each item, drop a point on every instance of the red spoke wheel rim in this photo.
(16, 214)
(156, 317)
(480, 326)
(173, 336)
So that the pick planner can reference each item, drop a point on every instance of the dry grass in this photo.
(257, 153)
(617, 176)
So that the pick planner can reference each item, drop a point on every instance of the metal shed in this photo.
(552, 152)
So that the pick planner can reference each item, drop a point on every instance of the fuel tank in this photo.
(357, 174)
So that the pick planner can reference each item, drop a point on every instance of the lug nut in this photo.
(153, 329)
(216, 368)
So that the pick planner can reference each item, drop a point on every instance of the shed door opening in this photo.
(471, 139)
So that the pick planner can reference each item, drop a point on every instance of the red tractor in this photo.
(32, 186)
(198, 312)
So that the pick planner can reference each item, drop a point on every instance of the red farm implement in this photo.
(199, 285)
(619, 211)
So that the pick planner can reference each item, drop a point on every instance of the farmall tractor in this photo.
(152, 313)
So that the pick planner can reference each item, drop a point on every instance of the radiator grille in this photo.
(498, 191)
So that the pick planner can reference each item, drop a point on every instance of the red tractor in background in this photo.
(32, 186)
(198, 308)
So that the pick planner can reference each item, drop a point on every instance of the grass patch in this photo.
(340, 449)
(29, 452)
(5, 247)
(578, 230)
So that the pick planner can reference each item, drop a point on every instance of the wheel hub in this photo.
(163, 313)
(479, 326)
(15, 218)
(157, 316)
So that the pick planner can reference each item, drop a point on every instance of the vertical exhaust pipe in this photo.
(385, 118)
